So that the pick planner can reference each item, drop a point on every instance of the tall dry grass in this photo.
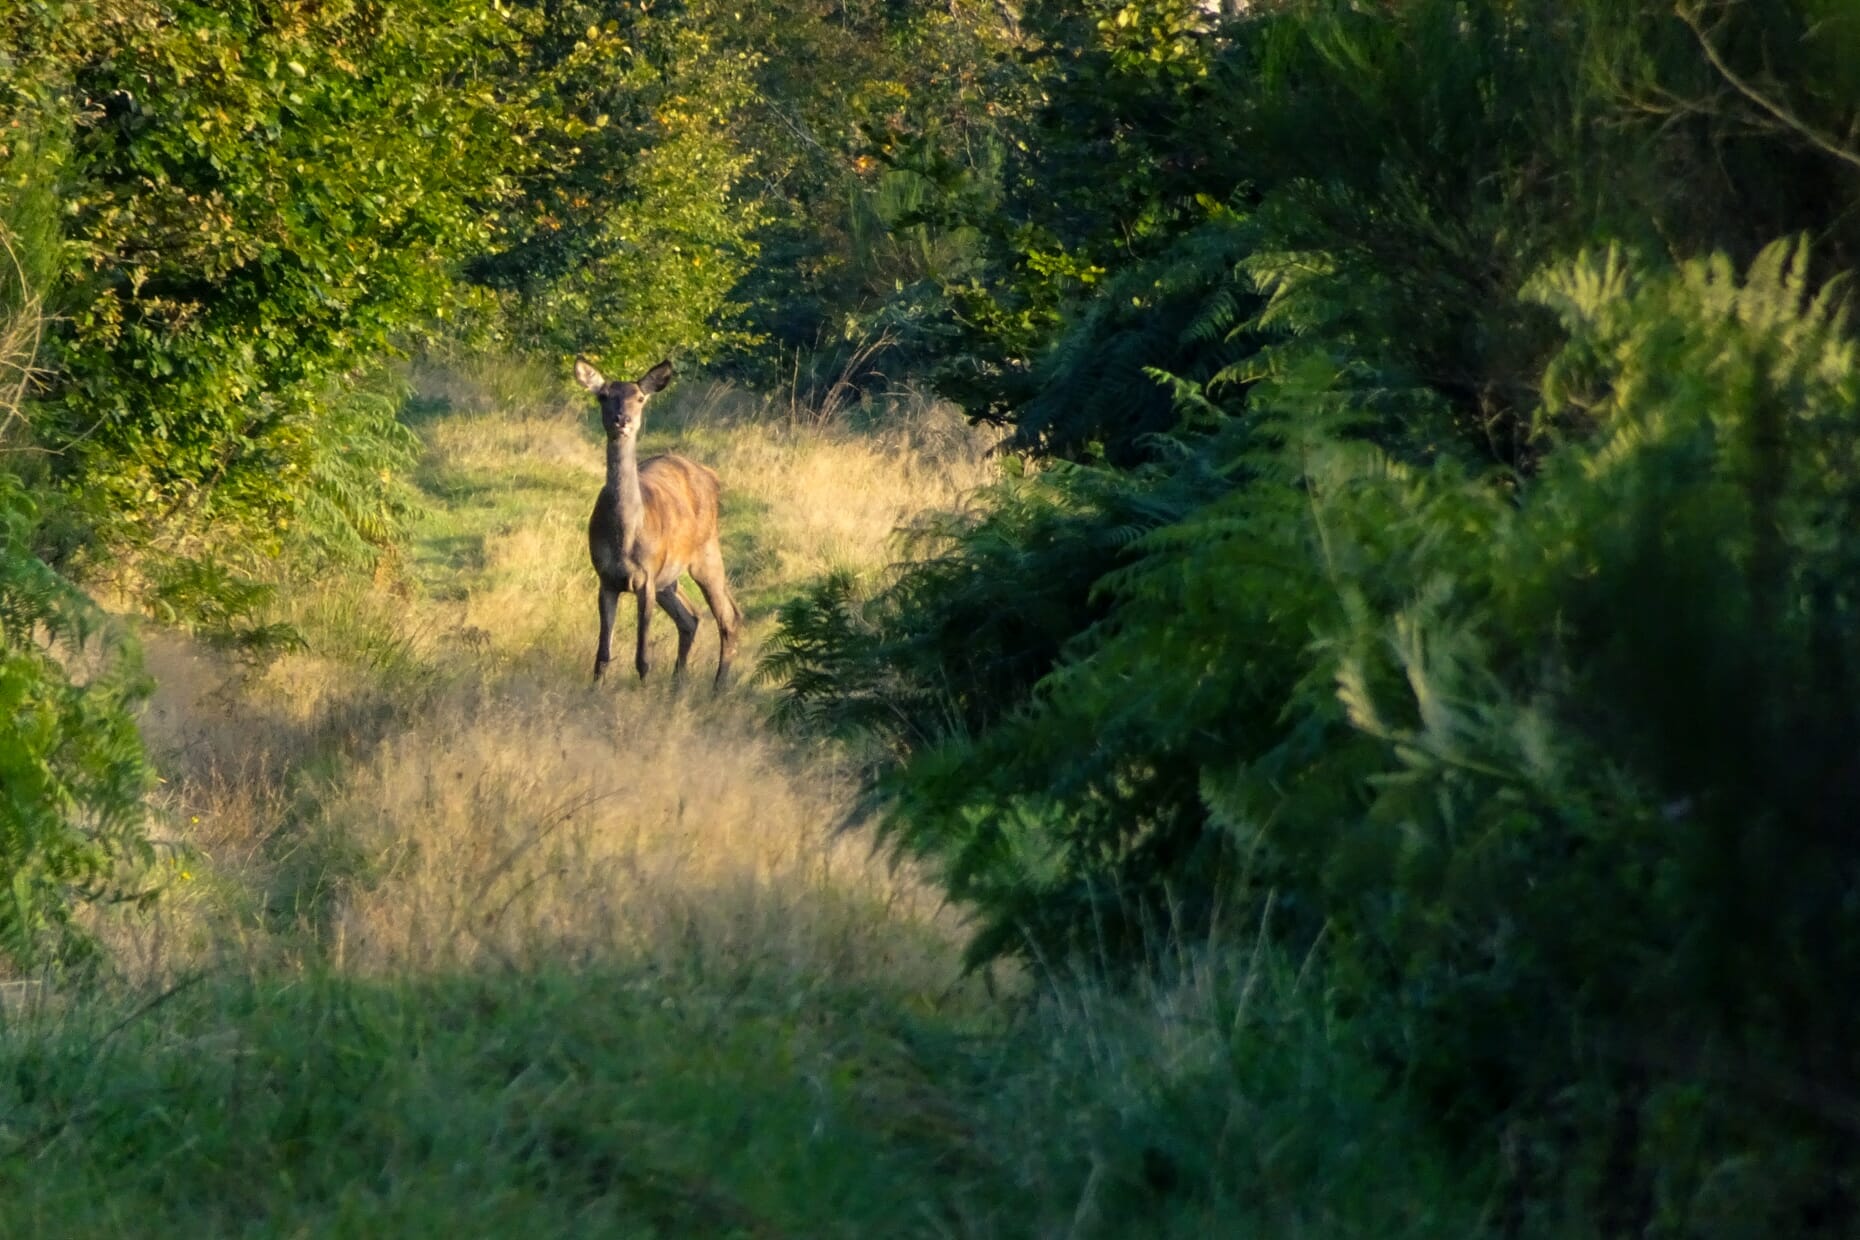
(433, 784)
(799, 497)
(832, 493)
(543, 825)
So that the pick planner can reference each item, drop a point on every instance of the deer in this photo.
(654, 521)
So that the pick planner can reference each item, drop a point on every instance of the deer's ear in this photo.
(654, 380)
(587, 376)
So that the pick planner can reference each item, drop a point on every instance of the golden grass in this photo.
(801, 499)
(549, 825)
(434, 784)
(828, 497)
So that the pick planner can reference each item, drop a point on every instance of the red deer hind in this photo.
(654, 521)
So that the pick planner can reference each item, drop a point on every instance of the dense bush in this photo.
(256, 197)
(72, 771)
(1250, 305)
(1490, 608)
(1580, 748)
(72, 768)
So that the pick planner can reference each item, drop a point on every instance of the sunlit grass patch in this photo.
(571, 825)
(431, 781)
(833, 496)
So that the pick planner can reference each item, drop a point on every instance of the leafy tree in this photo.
(257, 196)
(627, 236)
(838, 84)
(72, 770)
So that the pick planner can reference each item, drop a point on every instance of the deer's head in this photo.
(622, 403)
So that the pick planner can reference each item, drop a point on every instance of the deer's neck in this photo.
(623, 485)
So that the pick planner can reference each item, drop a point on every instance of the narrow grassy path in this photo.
(465, 946)
(459, 946)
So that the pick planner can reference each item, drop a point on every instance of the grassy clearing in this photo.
(454, 943)
(433, 779)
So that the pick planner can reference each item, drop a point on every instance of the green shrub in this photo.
(255, 201)
(72, 770)
(628, 235)
(1555, 764)
(956, 637)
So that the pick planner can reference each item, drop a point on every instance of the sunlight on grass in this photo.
(432, 784)
(551, 825)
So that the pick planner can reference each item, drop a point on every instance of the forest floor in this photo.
(454, 944)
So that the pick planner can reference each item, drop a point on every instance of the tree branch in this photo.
(1689, 15)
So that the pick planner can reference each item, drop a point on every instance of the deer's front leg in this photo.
(641, 662)
(603, 653)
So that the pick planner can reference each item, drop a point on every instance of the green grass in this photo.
(549, 1104)
(697, 1101)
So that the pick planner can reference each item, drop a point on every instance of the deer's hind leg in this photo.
(685, 616)
(709, 575)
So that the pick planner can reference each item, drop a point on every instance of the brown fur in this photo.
(681, 509)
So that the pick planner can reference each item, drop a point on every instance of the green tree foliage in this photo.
(627, 236)
(837, 86)
(1410, 165)
(1105, 157)
(72, 771)
(256, 197)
